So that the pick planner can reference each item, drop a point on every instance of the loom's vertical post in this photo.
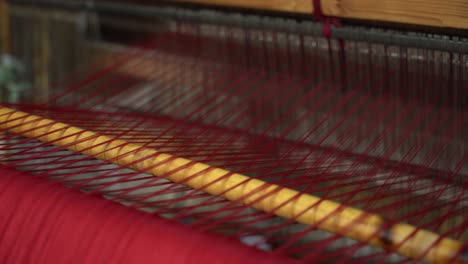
(41, 61)
(44, 88)
(5, 38)
(4, 31)
(5, 26)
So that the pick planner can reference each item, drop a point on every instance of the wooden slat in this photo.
(302, 6)
(448, 13)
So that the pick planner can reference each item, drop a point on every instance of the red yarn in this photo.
(320, 16)
(44, 222)
(318, 13)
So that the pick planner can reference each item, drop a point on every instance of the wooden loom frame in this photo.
(435, 13)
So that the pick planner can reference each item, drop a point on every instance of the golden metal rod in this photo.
(5, 26)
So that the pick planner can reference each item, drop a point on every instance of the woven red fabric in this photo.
(45, 222)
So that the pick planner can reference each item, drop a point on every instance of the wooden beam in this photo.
(41, 59)
(448, 13)
(300, 6)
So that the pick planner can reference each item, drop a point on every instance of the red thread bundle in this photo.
(320, 16)
(44, 222)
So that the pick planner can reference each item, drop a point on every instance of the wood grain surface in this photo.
(448, 13)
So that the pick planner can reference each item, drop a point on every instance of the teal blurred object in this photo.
(11, 84)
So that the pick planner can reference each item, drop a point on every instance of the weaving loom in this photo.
(243, 132)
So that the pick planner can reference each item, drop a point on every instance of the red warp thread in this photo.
(318, 13)
(320, 16)
(336, 130)
(45, 222)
